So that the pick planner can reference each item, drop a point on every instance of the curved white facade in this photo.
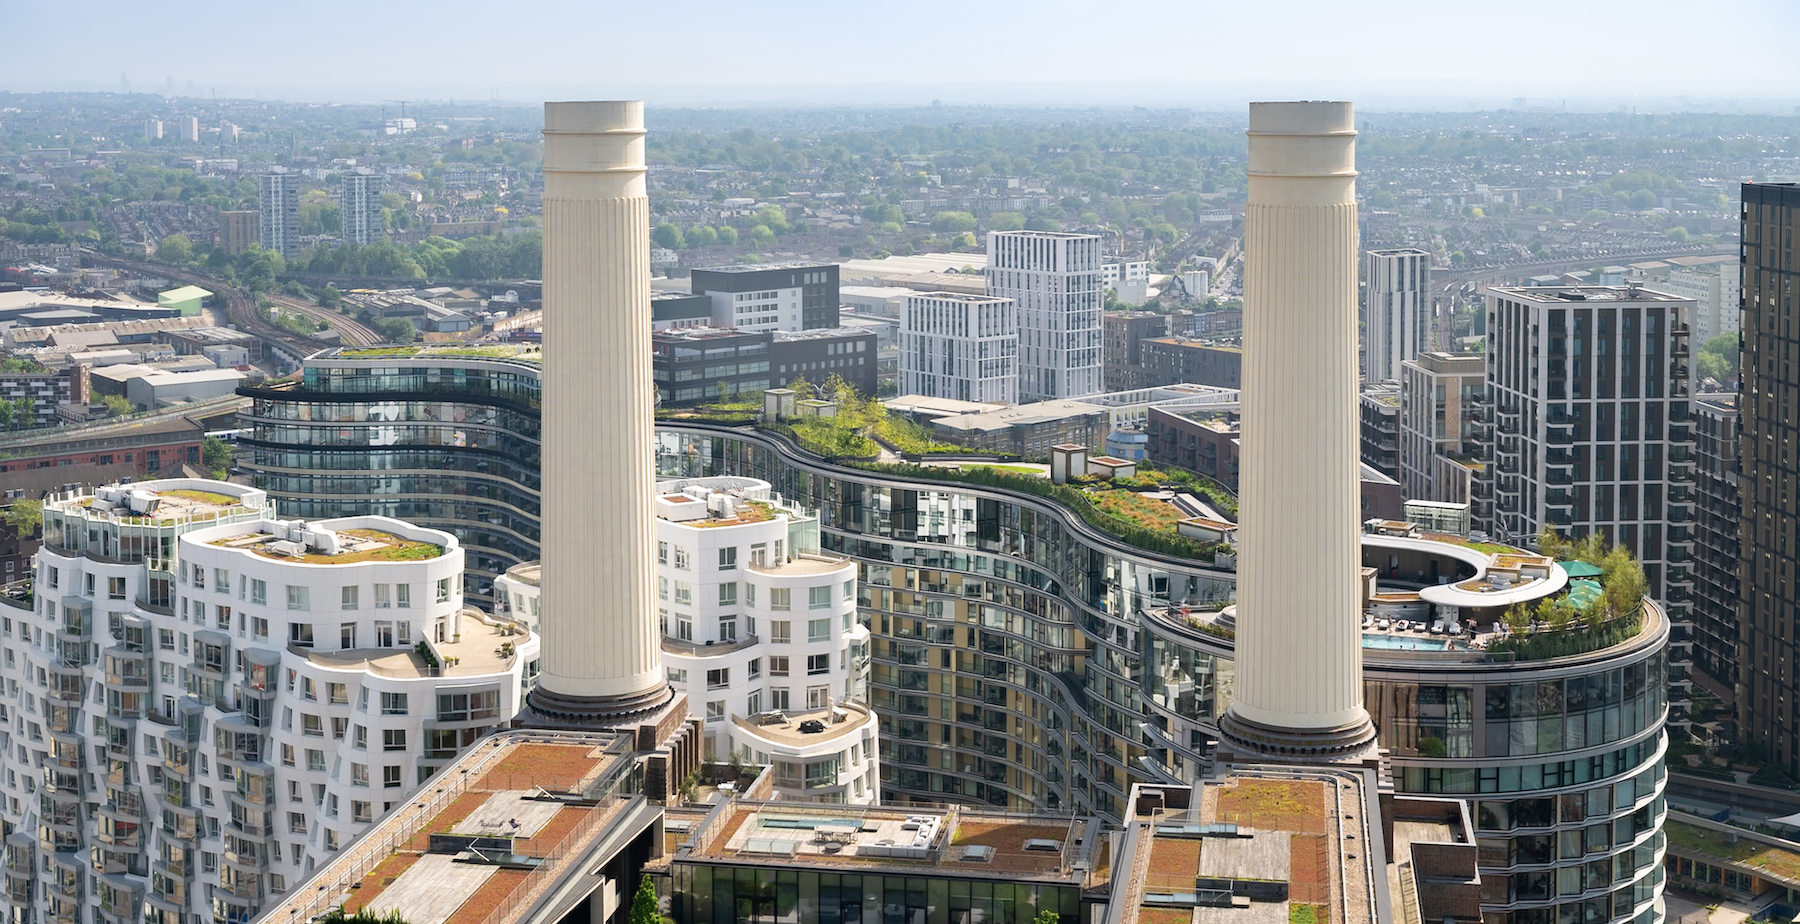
(227, 698)
(761, 633)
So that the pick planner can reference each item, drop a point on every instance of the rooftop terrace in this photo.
(345, 547)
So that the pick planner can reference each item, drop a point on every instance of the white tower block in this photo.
(602, 660)
(1299, 654)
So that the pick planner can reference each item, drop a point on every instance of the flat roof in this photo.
(1022, 415)
(872, 838)
(354, 544)
(785, 727)
(530, 795)
(476, 649)
(1578, 294)
(738, 268)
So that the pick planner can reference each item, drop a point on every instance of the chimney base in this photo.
(547, 709)
(1245, 740)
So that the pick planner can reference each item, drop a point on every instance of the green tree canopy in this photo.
(215, 454)
(668, 235)
(1006, 221)
(643, 905)
(953, 222)
(175, 248)
(25, 516)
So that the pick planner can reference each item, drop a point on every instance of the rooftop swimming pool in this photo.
(1405, 642)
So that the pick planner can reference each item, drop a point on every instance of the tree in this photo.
(117, 405)
(953, 222)
(1718, 357)
(1047, 917)
(846, 252)
(668, 235)
(727, 234)
(396, 330)
(175, 248)
(330, 297)
(7, 411)
(1678, 235)
(761, 236)
(701, 236)
(1642, 199)
(1006, 221)
(1043, 224)
(643, 905)
(25, 516)
(215, 454)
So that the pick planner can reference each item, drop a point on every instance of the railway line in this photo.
(240, 307)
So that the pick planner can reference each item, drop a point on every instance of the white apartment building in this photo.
(1443, 400)
(1055, 280)
(760, 631)
(279, 196)
(1587, 388)
(190, 128)
(960, 346)
(1129, 281)
(204, 702)
(360, 201)
(1715, 289)
(1396, 310)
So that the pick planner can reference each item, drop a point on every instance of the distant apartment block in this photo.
(1716, 565)
(960, 346)
(1396, 310)
(1442, 399)
(153, 129)
(1170, 360)
(238, 230)
(1378, 417)
(693, 365)
(1122, 336)
(1715, 288)
(1592, 430)
(771, 296)
(360, 201)
(1055, 279)
(189, 128)
(279, 192)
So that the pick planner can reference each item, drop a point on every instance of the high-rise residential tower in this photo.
(1591, 431)
(1396, 310)
(1055, 280)
(237, 231)
(1299, 668)
(1442, 399)
(360, 200)
(1769, 653)
(599, 579)
(279, 191)
(1717, 582)
(960, 346)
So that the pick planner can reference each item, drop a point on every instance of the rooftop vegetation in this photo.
(1776, 861)
(391, 548)
(1557, 626)
(202, 497)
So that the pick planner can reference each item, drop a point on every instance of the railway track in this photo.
(351, 331)
(240, 307)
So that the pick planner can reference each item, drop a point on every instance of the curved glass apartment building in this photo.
(443, 437)
(1024, 660)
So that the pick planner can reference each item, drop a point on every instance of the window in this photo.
(728, 558)
(778, 698)
(681, 558)
(393, 739)
(347, 635)
(359, 774)
(287, 755)
(359, 811)
(222, 617)
(727, 628)
(115, 588)
(753, 704)
(715, 711)
(718, 679)
(759, 554)
(393, 704)
(749, 594)
(300, 634)
(338, 693)
(296, 823)
(381, 597)
(312, 726)
(403, 596)
(662, 553)
(779, 597)
(818, 598)
(315, 760)
(348, 597)
(662, 587)
(259, 592)
(297, 597)
(818, 630)
(390, 776)
(221, 580)
(778, 665)
(781, 631)
(339, 725)
(359, 737)
(818, 664)
(259, 627)
(384, 634)
(728, 593)
(677, 675)
(755, 670)
(818, 697)
(458, 707)
(849, 591)
(684, 628)
(443, 590)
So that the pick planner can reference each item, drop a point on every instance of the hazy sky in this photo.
(1151, 52)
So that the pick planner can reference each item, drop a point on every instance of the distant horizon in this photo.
(1395, 55)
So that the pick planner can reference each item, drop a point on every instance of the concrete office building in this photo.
(1591, 429)
(360, 200)
(1768, 710)
(1442, 399)
(238, 230)
(227, 698)
(770, 296)
(1054, 279)
(1717, 580)
(1397, 310)
(279, 194)
(960, 346)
